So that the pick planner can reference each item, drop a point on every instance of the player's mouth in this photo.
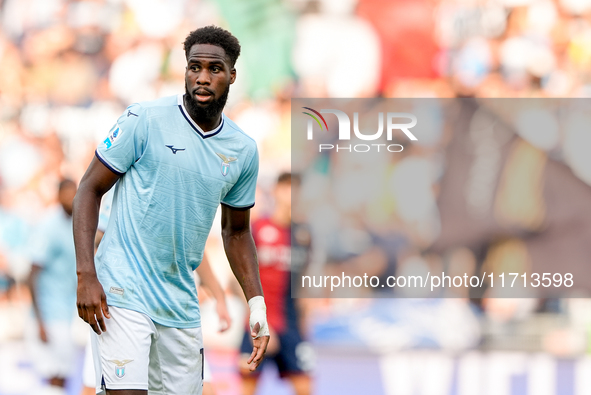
(202, 95)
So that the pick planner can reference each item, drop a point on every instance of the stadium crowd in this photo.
(68, 68)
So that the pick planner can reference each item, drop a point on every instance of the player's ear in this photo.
(232, 75)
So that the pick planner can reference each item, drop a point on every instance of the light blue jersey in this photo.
(174, 176)
(52, 248)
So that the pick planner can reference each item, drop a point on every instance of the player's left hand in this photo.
(259, 348)
(259, 330)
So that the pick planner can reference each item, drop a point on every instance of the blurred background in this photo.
(69, 68)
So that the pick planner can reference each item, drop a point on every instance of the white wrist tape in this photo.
(258, 313)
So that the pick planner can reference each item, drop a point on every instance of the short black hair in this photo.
(214, 35)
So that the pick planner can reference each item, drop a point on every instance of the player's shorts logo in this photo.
(225, 163)
(120, 366)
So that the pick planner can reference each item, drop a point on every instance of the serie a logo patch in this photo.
(113, 134)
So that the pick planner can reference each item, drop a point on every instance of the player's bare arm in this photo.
(92, 301)
(209, 281)
(241, 253)
(32, 282)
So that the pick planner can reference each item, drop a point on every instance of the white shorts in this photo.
(89, 375)
(56, 357)
(137, 353)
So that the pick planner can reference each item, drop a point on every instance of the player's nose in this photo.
(203, 78)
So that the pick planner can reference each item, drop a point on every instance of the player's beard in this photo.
(208, 111)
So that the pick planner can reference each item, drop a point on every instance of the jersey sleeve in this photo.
(242, 194)
(126, 141)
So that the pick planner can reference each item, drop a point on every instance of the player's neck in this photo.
(206, 123)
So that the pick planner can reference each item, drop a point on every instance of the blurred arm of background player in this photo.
(210, 281)
(32, 282)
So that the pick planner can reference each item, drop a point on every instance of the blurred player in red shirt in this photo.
(279, 253)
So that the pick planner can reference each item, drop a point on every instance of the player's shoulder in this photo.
(150, 107)
(233, 130)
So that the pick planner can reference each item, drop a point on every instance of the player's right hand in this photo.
(92, 302)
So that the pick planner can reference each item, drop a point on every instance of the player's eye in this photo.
(194, 68)
(216, 69)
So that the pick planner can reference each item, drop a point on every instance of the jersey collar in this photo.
(194, 125)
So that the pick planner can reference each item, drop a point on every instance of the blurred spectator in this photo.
(337, 53)
(68, 67)
(53, 288)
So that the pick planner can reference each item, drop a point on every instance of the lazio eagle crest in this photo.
(120, 366)
(226, 160)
